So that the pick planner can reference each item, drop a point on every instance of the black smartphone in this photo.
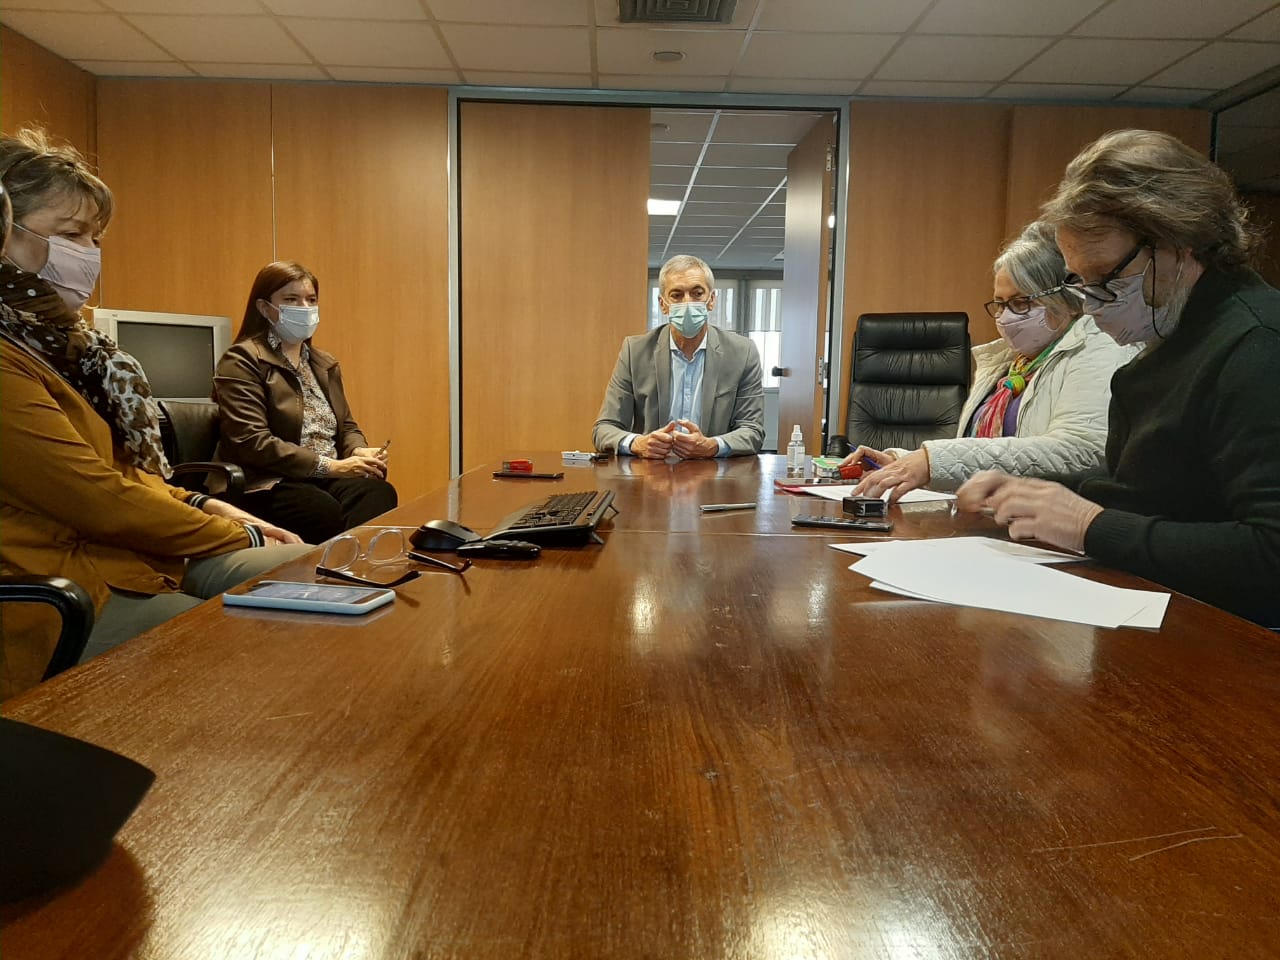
(841, 523)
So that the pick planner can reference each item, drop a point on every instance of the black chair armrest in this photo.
(71, 602)
(232, 476)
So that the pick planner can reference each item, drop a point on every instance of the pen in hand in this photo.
(719, 507)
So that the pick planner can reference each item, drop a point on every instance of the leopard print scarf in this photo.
(111, 380)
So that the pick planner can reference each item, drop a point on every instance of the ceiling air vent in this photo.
(676, 11)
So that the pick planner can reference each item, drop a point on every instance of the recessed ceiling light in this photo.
(659, 127)
(663, 208)
(668, 56)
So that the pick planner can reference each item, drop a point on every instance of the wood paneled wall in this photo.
(215, 179)
(190, 164)
(554, 238)
(1044, 139)
(39, 88)
(362, 198)
(936, 188)
(926, 212)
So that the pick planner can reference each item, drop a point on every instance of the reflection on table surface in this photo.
(705, 738)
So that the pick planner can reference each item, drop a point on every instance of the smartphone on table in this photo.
(310, 597)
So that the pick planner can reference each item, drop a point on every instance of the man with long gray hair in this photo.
(1160, 248)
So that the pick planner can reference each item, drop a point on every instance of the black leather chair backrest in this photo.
(73, 606)
(189, 433)
(911, 375)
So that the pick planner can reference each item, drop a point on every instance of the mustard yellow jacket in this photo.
(71, 506)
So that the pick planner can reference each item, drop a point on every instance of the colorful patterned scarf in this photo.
(111, 380)
(990, 419)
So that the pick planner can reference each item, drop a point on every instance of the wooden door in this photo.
(554, 246)
(805, 285)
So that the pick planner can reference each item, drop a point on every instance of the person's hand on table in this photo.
(358, 467)
(693, 444)
(898, 474)
(1031, 509)
(655, 445)
(272, 533)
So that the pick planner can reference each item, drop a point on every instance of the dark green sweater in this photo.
(1191, 494)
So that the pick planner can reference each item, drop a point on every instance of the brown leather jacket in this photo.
(260, 412)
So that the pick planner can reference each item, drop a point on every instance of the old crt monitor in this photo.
(178, 351)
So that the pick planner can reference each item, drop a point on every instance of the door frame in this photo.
(640, 98)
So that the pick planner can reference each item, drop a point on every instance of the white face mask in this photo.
(72, 269)
(1129, 318)
(297, 324)
(1027, 333)
(688, 317)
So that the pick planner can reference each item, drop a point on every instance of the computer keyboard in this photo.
(561, 519)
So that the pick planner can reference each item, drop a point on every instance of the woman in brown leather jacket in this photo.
(285, 420)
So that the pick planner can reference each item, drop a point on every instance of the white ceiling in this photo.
(1175, 52)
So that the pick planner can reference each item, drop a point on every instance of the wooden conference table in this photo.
(706, 738)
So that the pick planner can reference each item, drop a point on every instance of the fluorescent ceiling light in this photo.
(831, 221)
(663, 208)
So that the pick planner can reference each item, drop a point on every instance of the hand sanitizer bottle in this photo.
(795, 453)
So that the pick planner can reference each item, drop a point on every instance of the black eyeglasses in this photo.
(1094, 294)
(387, 546)
(1019, 305)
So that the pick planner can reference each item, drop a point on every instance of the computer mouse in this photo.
(503, 549)
(442, 535)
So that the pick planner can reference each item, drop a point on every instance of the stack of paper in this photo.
(842, 490)
(977, 572)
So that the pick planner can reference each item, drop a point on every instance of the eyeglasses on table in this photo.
(387, 547)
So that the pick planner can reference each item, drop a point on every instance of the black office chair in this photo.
(72, 604)
(911, 375)
(189, 434)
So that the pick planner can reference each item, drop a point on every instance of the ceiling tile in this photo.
(814, 56)
(532, 81)
(659, 191)
(1166, 96)
(1260, 111)
(1076, 92)
(721, 192)
(392, 75)
(824, 88)
(670, 174)
(47, 6)
(1107, 61)
(747, 155)
(607, 16)
(623, 81)
(959, 58)
(569, 13)
(544, 49)
(764, 126)
(346, 10)
(1006, 17)
(276, 71)
(739, 176)
(185, 6)
(377, 44)
(931, 89)
(742, 210)
(1266, 27)
(688, 126)
(674, 154)
(840, 16)
(221, 39)
(116, 68)
(1160, 18)
(622, 51)
(84, 36)
(1220, 65)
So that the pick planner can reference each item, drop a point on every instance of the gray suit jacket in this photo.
(638, 398)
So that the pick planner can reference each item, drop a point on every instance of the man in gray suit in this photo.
(687, 389)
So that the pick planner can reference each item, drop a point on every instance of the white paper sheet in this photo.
(973, 575)
(841, 490)
(1007, 548)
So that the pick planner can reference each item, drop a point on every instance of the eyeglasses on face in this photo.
(387, 546)
(1100, 292)
(1018, 305)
